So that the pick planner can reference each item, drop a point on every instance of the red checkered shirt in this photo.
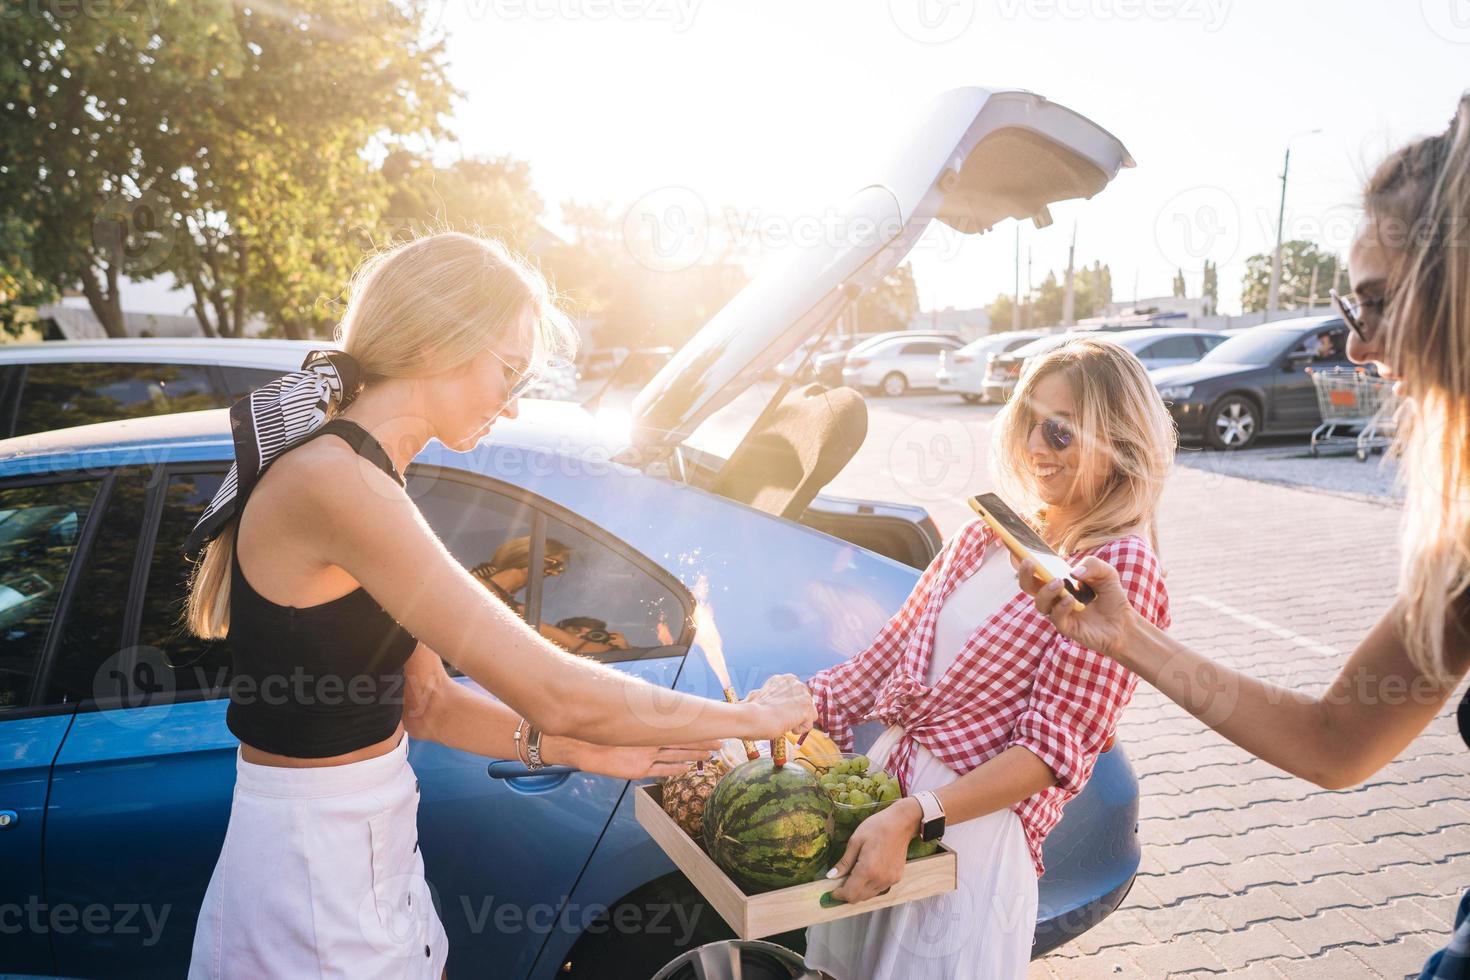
(1016, 681)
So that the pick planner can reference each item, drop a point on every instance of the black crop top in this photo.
(320, 680)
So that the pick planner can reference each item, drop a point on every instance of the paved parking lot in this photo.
(1246, 870)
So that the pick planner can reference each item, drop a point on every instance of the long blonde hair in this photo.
(419, 308)
(1419, 202)
(1127, 436)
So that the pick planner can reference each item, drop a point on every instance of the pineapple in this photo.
(684, 795)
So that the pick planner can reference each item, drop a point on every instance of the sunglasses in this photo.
(1058, 434)
(1355, 310)
(523, 379)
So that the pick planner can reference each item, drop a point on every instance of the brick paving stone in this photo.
(1236, 949)
(1387, 921)
(1183, 953)
(1402, 958)
(1312, 934)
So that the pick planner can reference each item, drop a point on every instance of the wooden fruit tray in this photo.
(755, 916)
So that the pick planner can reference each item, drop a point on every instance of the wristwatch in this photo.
(931, 827)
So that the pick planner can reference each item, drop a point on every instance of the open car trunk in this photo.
(975, 157)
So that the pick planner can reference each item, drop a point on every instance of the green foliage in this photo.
(890, 304)
(1298, 259)
(1180, 289)
(1210, 287)
(226, 143)
(1092, 290)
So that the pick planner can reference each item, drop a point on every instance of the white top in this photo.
(972, 602)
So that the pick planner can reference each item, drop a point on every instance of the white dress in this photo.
(983, 929)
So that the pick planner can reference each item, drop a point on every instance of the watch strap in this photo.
(931, 826)
(533, 749)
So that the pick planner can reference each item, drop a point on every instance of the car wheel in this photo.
(971, 399)
(1233, 423)
(894, 385)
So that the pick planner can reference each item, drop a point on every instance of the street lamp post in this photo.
(1273, 294)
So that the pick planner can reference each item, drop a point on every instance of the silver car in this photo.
(963, 371)
(895, 365)
(1156, 347)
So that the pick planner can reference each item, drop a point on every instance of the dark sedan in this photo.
(1259, 382)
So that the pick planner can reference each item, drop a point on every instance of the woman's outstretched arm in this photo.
(1375, 706)
(362, 521)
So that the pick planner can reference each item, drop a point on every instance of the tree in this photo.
(890, 304)
(1210, 287)
(1092, 291)
(1180, 289)
(1298, 259)
(224, 143)
(481, 196)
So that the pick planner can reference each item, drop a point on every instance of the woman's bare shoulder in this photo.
(316, 479)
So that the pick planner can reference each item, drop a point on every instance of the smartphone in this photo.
(1024, 542)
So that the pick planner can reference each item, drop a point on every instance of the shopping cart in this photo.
(1354, 400)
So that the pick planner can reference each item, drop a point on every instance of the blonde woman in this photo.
(995, 719)
(323, 576)
(1410, 313)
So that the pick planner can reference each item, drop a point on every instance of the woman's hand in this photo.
(876, 853)
(784, 704)
(631, 761)
(1104, 624)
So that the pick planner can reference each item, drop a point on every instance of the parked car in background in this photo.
(1156, 347)
(1258, 382)
(118, 766)
(897, 365)
(827, 367)
(963, 371)
(60, 383)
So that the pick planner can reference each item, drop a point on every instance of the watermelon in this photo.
(768, 827)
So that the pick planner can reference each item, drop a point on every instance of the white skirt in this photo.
(321, 875)
(980, 931)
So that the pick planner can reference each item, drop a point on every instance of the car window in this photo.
(92, 644)
(593, 599)
(192, 664)
(241, 381)
(599, 602)
(925, 347)
(1210, 341)
(58, 395)
(40, 527)
(1171, 347)
(488, 532)
(1017, 343)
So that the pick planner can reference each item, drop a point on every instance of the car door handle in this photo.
(508, 769)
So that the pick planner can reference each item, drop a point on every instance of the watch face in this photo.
(933, 829)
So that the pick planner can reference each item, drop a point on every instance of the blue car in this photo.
(116, 768)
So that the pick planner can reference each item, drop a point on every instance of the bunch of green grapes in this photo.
(854, 783)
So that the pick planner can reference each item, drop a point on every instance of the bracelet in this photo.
(533, 749)
(519, 754)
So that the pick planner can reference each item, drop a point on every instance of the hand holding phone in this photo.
(1024, 542)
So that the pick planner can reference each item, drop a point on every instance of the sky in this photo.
(772, 109)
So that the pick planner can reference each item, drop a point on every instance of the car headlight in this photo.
(1176, 393)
